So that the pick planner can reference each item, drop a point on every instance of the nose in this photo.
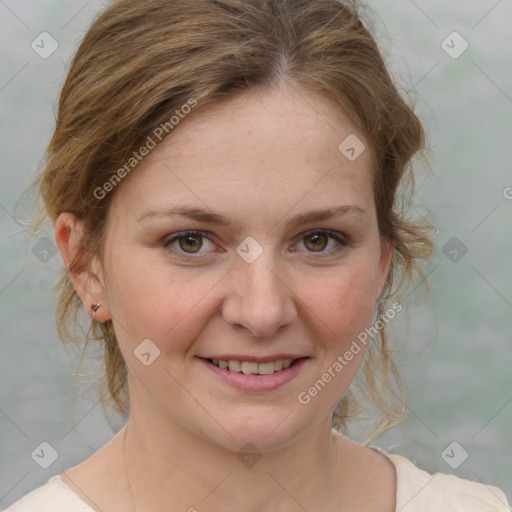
(259, 299)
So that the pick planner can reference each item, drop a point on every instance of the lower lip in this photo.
(257, 382)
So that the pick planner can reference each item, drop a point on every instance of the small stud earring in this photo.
(95, 308)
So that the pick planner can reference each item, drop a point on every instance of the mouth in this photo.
(253, 367)
(262, 374)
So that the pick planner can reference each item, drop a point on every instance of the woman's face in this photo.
(284, 262)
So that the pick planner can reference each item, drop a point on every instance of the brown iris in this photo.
(318, 241)
(193, 242)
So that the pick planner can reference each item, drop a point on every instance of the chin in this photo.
(267, 428)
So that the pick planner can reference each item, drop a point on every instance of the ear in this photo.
(386, 256)
(84, 271)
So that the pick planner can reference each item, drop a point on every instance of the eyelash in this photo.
(342, 241)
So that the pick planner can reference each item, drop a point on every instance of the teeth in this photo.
(249, 368)
(252, 368)
(235, 366)
(266, 368)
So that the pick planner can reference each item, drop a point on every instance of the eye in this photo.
(189, 242)
(319, 241)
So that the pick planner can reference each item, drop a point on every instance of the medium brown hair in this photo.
(141, 61)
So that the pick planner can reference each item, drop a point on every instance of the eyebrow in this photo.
(201, 215)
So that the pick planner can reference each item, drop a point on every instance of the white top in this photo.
(417, 491)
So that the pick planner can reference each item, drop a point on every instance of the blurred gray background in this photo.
(455, 352)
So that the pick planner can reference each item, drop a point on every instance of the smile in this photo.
(255, 376)
(253, 368)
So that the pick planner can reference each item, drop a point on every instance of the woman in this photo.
(223, 183)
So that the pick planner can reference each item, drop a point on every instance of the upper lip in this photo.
(255, 359)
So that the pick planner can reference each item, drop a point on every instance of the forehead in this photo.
(284, 142)
(285, 121)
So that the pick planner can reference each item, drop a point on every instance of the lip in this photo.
(257, 382)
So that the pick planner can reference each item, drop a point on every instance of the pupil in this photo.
(317, 240)
(192, 242)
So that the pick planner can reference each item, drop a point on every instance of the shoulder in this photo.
(420, 491)
(53, 496)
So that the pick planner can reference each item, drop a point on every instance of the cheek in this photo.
(158, 304)
(344, 301)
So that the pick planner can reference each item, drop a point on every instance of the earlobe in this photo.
(80, 266)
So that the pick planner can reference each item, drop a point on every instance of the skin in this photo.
(258, 159)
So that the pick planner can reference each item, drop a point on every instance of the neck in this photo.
(169, 467)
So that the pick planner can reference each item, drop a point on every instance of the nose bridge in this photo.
(263, 284)
(259, 299)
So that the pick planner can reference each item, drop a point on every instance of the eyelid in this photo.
(334, 234)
